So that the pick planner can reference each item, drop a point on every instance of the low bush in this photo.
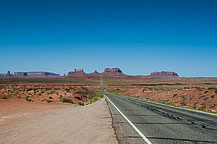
(183, 104)
(190, 97)
(28, 99)
(66, 100)
(19, 97)
(47, 100)
(4, 97)
(81, 103)
(205, 98)
(175, 95)
(51, 92)
(202, 108)
(206, 92)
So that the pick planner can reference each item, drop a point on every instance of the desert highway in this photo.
(159, 124)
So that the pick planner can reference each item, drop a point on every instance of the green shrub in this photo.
(19, 97)
(206, 92)
(67, 89)
(183, 97)
(212, 88)
(66, 100)
(81, 103)
(190, 97)
(183, 104)
(202, 108)
(164, 100)
(205, 98)
(212, 106)
(199, 89)
(28, 99)
(47, 100)
(4, 97)
(175, 95)
(51, 92)
(50, 97)
(101, 95)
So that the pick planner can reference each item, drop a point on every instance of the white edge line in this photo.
(137, 130)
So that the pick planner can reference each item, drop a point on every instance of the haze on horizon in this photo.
(138, 36)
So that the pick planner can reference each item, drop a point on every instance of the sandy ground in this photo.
(90, 124)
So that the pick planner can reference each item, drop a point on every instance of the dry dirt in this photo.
(61, 124)
(196, 93)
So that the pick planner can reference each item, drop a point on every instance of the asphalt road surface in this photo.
(160, 124)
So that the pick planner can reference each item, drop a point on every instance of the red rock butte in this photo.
(107, 72)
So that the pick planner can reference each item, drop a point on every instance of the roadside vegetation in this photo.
(81, 92)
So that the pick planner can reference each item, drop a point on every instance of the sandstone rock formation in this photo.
(96, 73)
(164, 74)
(107, 72)
(79, 72)
(113, 72)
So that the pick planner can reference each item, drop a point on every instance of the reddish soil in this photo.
(18, 100)
(197, 93)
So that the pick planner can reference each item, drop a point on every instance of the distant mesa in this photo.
(79, 72)
(164, 74)
(113, 72)
(107, 72)
(34, 74)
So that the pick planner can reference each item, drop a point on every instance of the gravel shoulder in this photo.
(91, 124)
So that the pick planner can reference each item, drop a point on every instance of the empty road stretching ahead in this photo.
(162, 124)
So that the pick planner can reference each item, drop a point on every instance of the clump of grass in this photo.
(66, 100)
(206, 92)
(199, 88)
(183, 97)
(47, 100)
(19, 97)
(205, 98)
(67, 89)
(28, 99)
(202, 108)
(212, 96)
(164, 100)
(212, 106)
(183, 104)
(212, 88)
(175, 95)
(50, 97)
(190, 97)
(4, 97)
(51, 92)
(81, 103)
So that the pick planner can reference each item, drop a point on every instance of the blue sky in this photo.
(139, 36)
